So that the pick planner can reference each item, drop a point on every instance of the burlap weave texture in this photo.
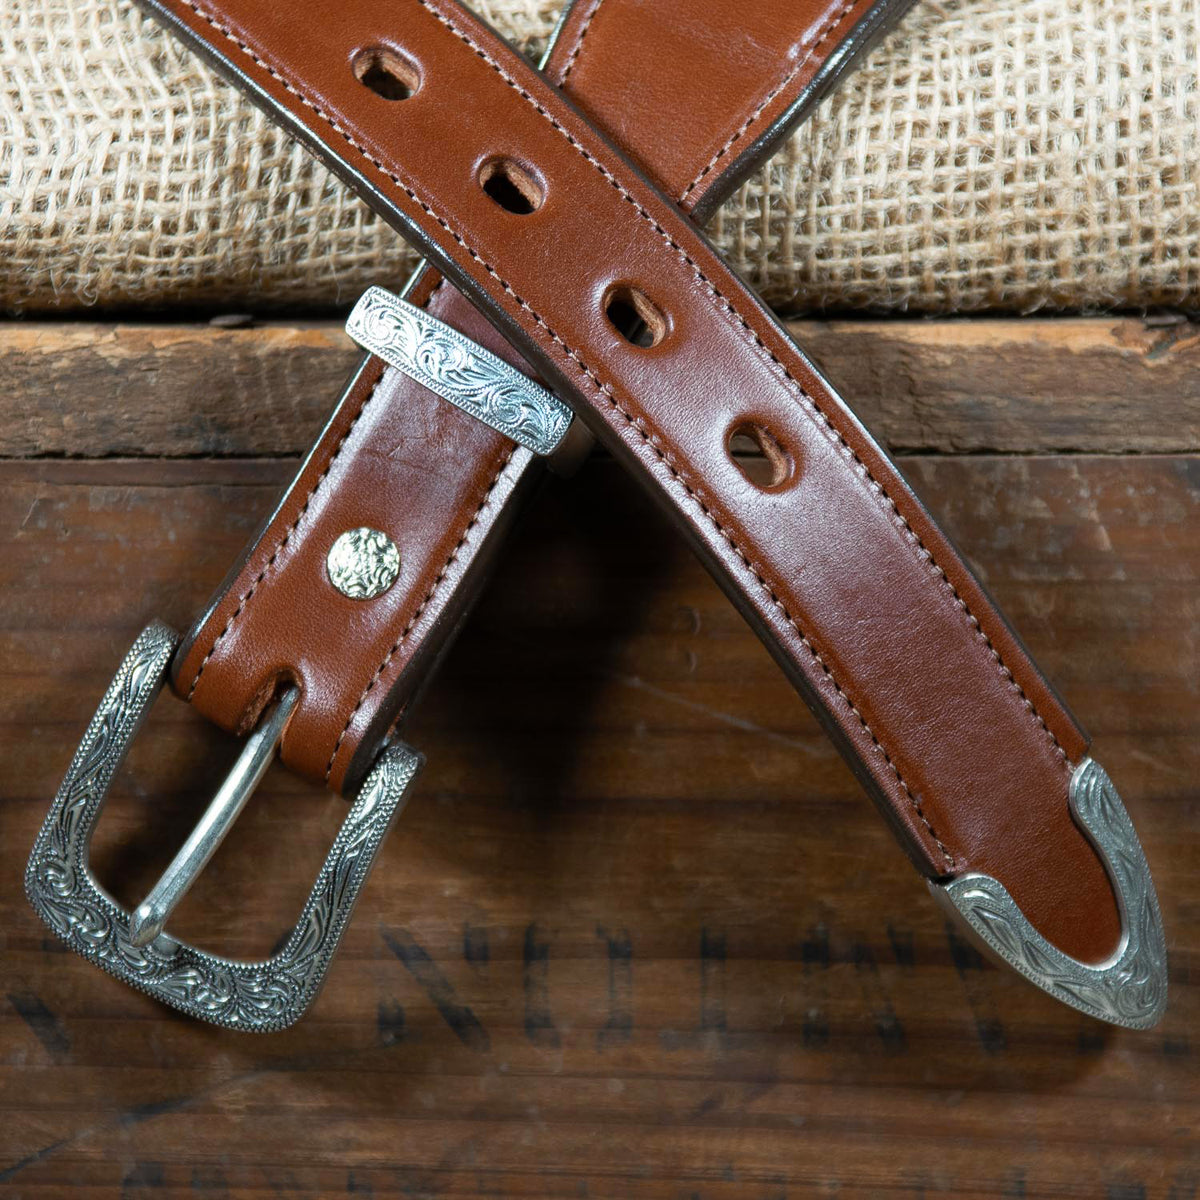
(990, 154)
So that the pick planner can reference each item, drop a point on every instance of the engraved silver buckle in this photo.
(1130, 987)
(260, 996)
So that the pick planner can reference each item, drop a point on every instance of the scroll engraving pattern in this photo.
(455, 368)
(1131, 987)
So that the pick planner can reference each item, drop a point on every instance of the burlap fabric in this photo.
(992, 154)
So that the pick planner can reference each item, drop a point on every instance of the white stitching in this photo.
(716, 295)
(246, 597)
(248, 594)
(487, 495)
(570, 63)
(827, 32)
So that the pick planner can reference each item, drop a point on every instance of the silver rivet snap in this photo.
(363, 563)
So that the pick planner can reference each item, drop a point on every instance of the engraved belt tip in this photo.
(1130, 987)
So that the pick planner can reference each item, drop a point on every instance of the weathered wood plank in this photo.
(85, 390)
(672, 951)
(1096, 385)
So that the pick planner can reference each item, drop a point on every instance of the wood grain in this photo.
(1099, 385)
(639, 934)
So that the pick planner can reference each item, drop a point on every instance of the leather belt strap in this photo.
(698, 93)
(836, 564)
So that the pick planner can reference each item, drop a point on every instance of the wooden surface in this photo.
(638, 934)
(943, 387)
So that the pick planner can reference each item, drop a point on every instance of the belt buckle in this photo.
(259, 996)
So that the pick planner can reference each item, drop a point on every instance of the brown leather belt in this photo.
(583, 264)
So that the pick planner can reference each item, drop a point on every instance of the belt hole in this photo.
(759, 455)
(386, 73)
(634, 316)
(511, 186)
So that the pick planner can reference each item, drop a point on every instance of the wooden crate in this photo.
(639, 933)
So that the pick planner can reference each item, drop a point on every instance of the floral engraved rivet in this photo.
(363, 563)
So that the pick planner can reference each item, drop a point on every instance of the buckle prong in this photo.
(152, 914)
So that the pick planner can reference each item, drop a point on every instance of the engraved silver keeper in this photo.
(259, 996)
(452, 366)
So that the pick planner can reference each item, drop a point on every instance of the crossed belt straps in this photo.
(576, 298)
